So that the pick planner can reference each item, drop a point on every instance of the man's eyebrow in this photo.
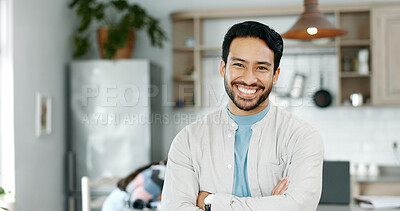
(264, 63)
(238, 59)
(242, 60)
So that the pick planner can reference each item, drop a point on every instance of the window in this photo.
(7, 162)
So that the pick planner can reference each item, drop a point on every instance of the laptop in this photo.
(336, 183)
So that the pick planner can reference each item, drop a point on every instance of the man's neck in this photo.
(239, 112)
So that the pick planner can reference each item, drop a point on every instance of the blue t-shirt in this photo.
(242, 140)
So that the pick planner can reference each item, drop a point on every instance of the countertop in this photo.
(388, 174)
(351, 207)
(326, 207)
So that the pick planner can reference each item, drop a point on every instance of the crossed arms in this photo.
(182, 192)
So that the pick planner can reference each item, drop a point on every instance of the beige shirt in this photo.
(201, 158)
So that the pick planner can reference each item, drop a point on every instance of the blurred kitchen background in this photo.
(179, 83)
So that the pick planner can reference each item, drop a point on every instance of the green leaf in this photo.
(120, 4)
(139, 16)
(110, 50)
(2, 191)
(85, 9)
(99, 11)
(85, 23)
(73, 3)
(3, 208)
(81, 46)
(156, 34)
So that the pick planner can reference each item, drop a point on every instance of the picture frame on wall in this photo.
(43, 114)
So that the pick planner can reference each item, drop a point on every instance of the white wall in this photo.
(163, 57)
(361, 135)
(42, 42)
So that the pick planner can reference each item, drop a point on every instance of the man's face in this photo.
(249, 72)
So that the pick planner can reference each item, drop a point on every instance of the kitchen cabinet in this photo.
(354, 72)
(366, 55)
(185, 63)
(386, 52)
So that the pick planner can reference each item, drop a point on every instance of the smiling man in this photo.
(250, 155)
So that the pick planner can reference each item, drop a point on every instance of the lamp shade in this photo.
(312, 24)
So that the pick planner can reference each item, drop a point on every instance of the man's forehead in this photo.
(250, 50)
(250, 45)
(242, 41)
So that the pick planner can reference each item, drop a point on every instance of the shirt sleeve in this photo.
(305, 176)
(181, 186)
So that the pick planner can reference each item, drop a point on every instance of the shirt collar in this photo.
(226, 119)
(251, 119)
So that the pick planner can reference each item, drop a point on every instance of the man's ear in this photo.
(276, 76)
(222, 68)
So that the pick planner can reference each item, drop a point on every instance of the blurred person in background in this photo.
(138, 190)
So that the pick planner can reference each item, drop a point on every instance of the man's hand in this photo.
(281, 187)
(200, 199)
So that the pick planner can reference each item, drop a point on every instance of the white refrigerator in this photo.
(109, 121)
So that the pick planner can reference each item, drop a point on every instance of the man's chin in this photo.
(246, 105)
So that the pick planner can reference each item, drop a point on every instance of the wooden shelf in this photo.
(353, 75)
(184, 49)
(365, 105)
(310, 45)
(354, 43)
(184, 78)
(262, 11)
(209, 48)
(297, 45)
(186, 108)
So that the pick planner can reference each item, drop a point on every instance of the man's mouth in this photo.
(247, 92)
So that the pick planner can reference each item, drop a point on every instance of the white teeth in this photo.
(247, 91)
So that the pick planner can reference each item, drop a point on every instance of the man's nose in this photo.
(249, 77)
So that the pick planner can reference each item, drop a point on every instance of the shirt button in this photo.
(229, 135)
(229, 166)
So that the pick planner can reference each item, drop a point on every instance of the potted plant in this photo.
(2, 194)
(4, 204)
(116, 21)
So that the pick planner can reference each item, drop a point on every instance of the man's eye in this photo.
(262, 68)
(238, 64)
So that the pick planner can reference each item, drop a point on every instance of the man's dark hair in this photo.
(256, 30)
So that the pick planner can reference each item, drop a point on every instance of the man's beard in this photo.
(261, 99)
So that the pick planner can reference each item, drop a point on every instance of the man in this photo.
(243, 157)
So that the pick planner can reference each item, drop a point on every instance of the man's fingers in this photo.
(277, 187)
(281, 187)
(284, 188)
(274, 191)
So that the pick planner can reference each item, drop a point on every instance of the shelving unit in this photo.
(184, 65)
(351, 80)
(189, 49)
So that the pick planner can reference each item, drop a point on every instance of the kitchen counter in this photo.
(351, 207)
(388, 174)
(323, 207)
(387, 183)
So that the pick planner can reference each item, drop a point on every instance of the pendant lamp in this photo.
(312, 24)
